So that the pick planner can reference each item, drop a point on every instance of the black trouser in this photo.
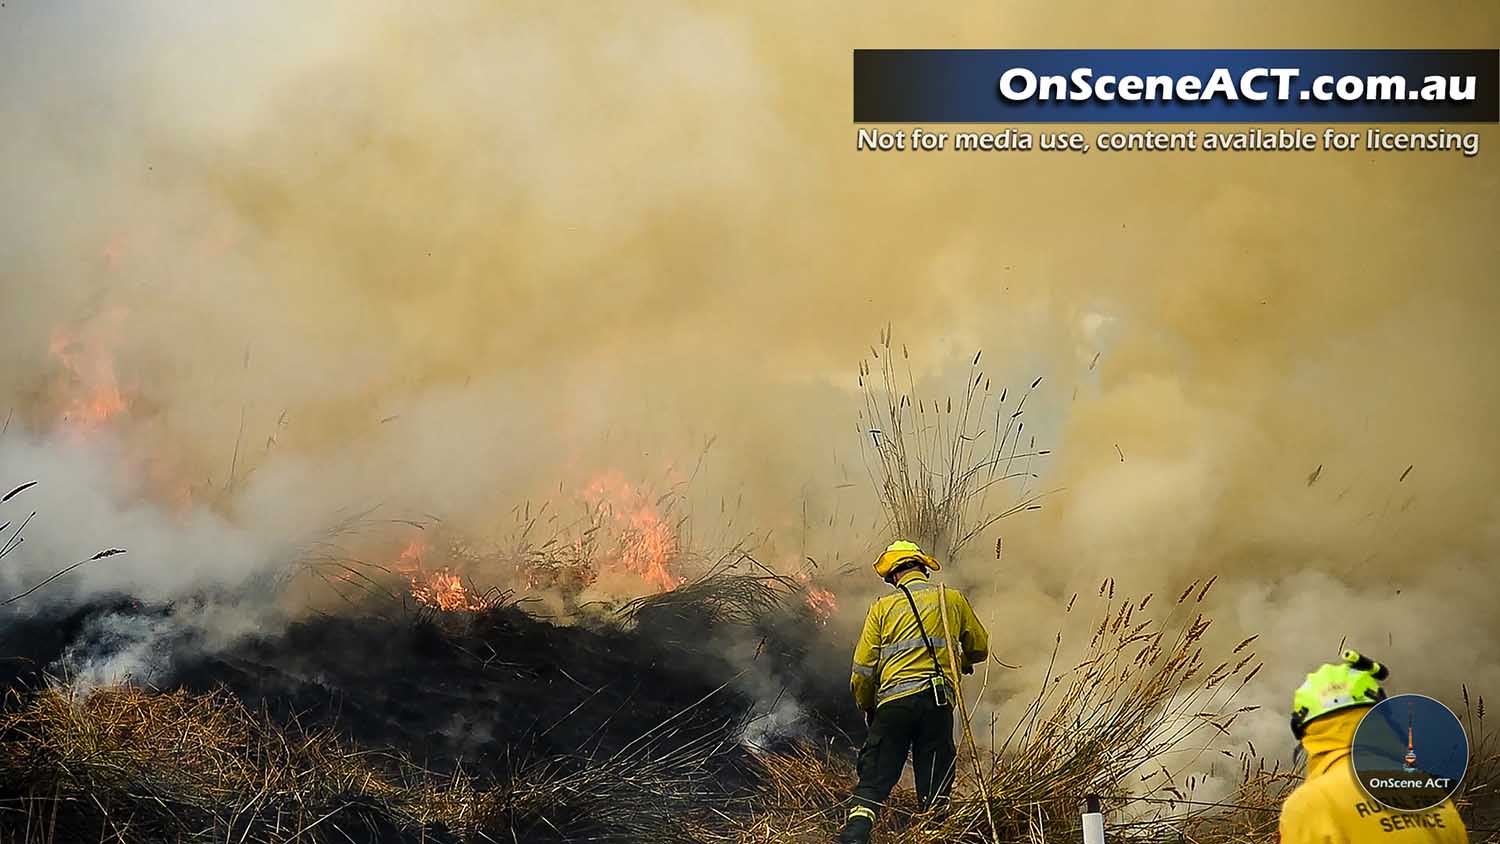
(914, 723)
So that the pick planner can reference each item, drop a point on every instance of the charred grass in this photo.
(654, 756)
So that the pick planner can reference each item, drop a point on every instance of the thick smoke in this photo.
(440, 261)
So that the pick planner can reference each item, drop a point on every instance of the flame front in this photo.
(94, 394)
(629, 534)
(647, 544)
(440, 588)
(444, 590)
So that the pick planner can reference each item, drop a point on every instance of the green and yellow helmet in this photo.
(1353, 682)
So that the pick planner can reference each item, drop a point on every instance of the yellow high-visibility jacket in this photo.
(891, 660)
(1331, 808)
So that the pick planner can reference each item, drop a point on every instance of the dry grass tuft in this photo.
(723, 595)
(1140, 708)
(804, 793)
(136, 763)
(935, 463)
(127, 764)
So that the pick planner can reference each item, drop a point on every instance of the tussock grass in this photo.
(127, 764)
(723, 595)
(1480, 798)
(935, 463)
(131, 764)
(1142, 706)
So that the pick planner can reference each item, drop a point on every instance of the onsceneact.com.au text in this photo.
(1257, 84)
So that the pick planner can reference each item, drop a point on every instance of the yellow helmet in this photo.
(899, 552)
(1353, 682)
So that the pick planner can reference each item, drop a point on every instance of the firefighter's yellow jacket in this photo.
(891, 660)
(1330, 807)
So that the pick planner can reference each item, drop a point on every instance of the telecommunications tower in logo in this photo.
(1390, 765)
(1409, 763)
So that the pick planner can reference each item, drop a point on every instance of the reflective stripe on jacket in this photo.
(891, 660)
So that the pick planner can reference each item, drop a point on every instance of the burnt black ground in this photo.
(495, 688)
(490, 691)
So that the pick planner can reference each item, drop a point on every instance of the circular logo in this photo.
(1410, 753)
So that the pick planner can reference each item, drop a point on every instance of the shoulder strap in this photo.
(937, 670)
(947, 631)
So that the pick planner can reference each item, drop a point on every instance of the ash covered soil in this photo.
(488, 691)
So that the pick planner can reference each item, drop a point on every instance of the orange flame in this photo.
(822, 602)
(441, 588)
(410, 558)
(647, 543)
(444, 590)
(84, 353)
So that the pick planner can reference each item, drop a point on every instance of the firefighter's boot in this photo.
(858, 828)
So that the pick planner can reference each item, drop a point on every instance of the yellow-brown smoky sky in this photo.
(441, 256)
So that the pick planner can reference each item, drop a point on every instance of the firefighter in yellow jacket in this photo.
(903, 682)
(1330, 807)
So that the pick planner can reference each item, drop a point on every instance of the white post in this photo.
(1093, 820)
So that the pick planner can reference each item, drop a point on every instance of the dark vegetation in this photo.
(629, 723)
